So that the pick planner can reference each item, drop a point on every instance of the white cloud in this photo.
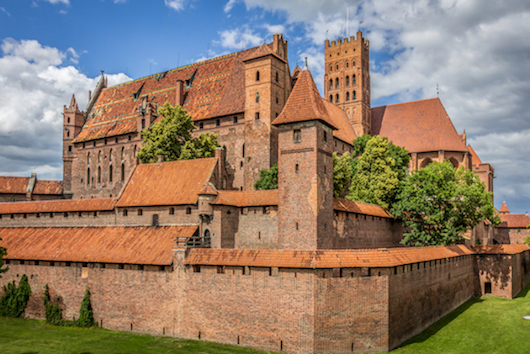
(229, 5)
(5, 11)
(63, 12)
(273, 29)
(175, 4)
(239, 38)
(120, 1)
(34, 86)
(58, 1)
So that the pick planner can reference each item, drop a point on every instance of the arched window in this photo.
(337, 66)
(123, 153)
(99, 174)
(354, 80)
(337, 98)
(330, 68)
(277, 99)
(331, 84)
(110, 173)
(347, 64)
(277, 76)
(353, 63)
(257, 75)
(206, 238)
(347, 96)
(354, 95)
(123, 172)
(454, 162)
(88, 176)
(347, 81)
(68, 119)
(67, 133)
(337, 83)
(330, 98)
(257, 97)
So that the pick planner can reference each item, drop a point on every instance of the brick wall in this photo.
(511, 235)
(365, 231)
(422, 293)
(257, 228)
(86, 218)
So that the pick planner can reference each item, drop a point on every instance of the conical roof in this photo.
(504, 208)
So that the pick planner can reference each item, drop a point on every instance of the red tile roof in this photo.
(58, 206)
(48, 187)
(501, 249)
(216, 88)
(345, 131)
(13, 185)
(304, 103)
(418, 126)
(475, 160)
(340, 204)
(519, 221)
(504, 208)
(390, 257)
(247, 198)
(121, 244)
(208, 189)
(170, 183)
(262, 51)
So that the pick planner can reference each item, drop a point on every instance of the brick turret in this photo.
(347, 79)
(72, 125)
(305, 169)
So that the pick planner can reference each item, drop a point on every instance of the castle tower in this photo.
(72, 124)
(267, 87)
(305, 169)
(347, 79)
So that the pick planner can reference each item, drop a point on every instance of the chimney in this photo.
(180, 93)
(160, 159)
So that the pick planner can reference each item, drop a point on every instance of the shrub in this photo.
(86, 316)
(54, 314)
(14, 301)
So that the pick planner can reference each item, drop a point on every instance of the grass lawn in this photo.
(482, 325)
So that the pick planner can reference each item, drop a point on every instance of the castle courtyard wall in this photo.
(365, 231)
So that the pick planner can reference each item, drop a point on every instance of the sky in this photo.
(473, 54)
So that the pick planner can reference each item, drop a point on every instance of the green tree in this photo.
(342, 173)
(14, 300)
(54, 314)
(439, 203)
(376, 177)
(268, 179)
(3, 253)
(171, 138)
(86, 316)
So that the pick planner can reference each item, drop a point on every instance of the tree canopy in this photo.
(343, 167)
(171, 138)
(439, 203)
(268, 179)
(378, 172)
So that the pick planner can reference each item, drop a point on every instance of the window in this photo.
(116, 140)
(347, 64)
(337, 98)
(331, 84)
(68, 120)
(94, 144)
(105, 141)
(217, 122)
(257, 75)
(353, 63)
(201, 125)
(110, 173)
(277, 76)
(354, 80)
(196, 269)
(325, 137)
(235, 120)
(246, 270)
(140, 212)
(330, 67)
(88, 176)
(347, 96)
(110, 155)
(95, 214)
(99, 174)
(347, 81)
(122, 153)
(257, 97)
(257, 116)
(188, 210)
(143, 123)
(243, 151)
(155, 219)
(220, 270)
(130, 136)
(296, 168)
(124, 213)
(171, 211)
(354, 95)
(70, 148)
(277, 99)
(123, 172)
(99, 157)
(67, 133)
(331, 98)
(297, 136)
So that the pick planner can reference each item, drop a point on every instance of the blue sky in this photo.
(476, 51)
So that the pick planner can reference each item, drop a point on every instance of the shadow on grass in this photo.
(434, 328)
(523, 292)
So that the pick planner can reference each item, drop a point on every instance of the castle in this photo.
(189, 249)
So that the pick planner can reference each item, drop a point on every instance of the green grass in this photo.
(20, 336)
(484, 324)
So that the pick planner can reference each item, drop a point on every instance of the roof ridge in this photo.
(401, 103)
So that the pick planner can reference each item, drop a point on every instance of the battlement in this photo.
(358, 40)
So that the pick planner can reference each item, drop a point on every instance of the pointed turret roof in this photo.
(305, 104)
(504, 209)
(73, 103)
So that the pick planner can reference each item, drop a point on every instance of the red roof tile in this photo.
(121, 244)
(390, 257)
(418, 126)
(208, 189)
(504, 208)
(48, 187)
(340, 204)
(475, 160)
(13, 185)
(170, 183)
(262, 51)
(216, 88)
(247, 198)
(58, 206)
(519, 221)
(304, 103)
(345, 131)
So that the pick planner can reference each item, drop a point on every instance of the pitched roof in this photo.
(350, 206)
(390, 257)
(247, 198)
(304, 103)
(418, 126)
(261, 51)
(215, 88)
(170, 183)
(208, 189)
(58, 206)
(519, 221)
(111, 244)
(475, 160)
(19, 185)
(345, 131)
(504, 208)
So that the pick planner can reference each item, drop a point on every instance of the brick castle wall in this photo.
(365, 231)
